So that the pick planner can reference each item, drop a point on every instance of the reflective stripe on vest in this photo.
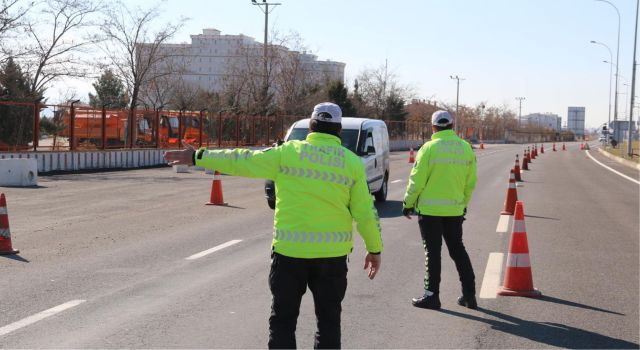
(440, 202)
(313, 237)
(317, 175)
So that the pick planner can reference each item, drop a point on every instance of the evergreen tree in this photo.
(16, 121)
(109, 90)
(338, 94)
(395, 108)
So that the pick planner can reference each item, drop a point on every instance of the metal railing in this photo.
(34, 126)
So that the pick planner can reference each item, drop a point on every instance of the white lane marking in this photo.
(503, 224)
(615, 171)
(491, 279)
(39, 316)
(214, 249)
(395, 181)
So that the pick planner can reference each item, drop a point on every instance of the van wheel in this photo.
(271, 203)
(381, 195)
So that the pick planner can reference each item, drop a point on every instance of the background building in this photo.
(544, 120)
(211, 59)
(575, 121)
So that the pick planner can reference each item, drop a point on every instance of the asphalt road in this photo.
(109, 251)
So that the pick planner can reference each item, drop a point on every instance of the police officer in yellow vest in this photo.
(439, 190)
(321, 187)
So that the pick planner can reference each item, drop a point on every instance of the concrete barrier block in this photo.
(18, 172)
(181, 168)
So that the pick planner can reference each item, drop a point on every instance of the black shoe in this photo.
(469, 302)
(427, 302)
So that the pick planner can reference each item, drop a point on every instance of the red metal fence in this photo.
(41, 127)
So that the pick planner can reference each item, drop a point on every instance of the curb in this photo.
(619, 160)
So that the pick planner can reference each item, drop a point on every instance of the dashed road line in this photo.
(395, 181)
(491, 279)
(503, 224)
(612, 170)
(39, 316)
(214, 249)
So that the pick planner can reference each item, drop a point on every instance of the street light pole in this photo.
(520, 99)
(266, 11)
(610, 75)
(633, 85)
(615, 103)
(457, 78)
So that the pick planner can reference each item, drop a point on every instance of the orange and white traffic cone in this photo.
(516, 170)
(512, 196)
(216, 190)
(542, 148)
(481, 145)
(5, 232)
(525, 163)
(518, 280)
(534, 152)
(412, 158)
(564, 148)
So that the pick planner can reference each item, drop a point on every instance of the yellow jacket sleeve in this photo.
(263, 164)
(471, 182)
(418, 178)
(365, 214)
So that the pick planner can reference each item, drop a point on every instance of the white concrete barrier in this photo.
(181, 168)
(18, 172)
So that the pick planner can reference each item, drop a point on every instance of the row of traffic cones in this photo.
(518, 277)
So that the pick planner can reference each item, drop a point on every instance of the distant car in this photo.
(367, 138)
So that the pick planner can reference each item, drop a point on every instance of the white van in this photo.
(368, 138)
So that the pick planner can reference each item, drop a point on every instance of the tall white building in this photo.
(211, 59)
(575, 121)
(544, 120)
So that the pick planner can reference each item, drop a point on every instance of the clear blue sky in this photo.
(503, 48)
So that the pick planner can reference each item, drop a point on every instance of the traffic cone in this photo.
(512, 196)
(516, 170)
(542, 148)
(525, 163)
(481, 145)
(216, 190)
(554, 147)
(411, 155)
(518, 280)
(5, 232)
(582, 147)
(564, 148)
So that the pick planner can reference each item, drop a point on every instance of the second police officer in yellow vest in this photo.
(439, 190)
(321, 188)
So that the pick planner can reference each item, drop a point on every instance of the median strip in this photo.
(214, 249)
(39, 316)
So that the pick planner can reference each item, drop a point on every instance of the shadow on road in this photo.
(14, 257)
(389, 209)
(540, 217)
(574, 304)
(549, 333)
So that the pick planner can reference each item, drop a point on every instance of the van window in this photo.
(349, 137)
(369, 141)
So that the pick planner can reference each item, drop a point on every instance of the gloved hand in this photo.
(407, 212)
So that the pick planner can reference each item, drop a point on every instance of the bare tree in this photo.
(12, 13)
(137, 53)
(377, 87)
(58, 41)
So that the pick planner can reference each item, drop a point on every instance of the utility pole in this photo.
(520, 99)
(633, 85)
(615, 103)
(457, 78)
(266, 11)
